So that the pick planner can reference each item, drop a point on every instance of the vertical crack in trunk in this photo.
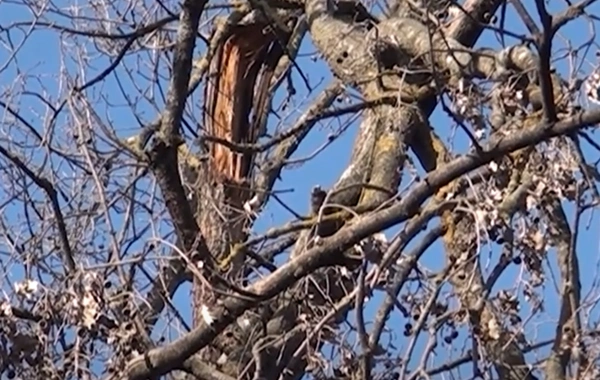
(229, 100)
(236, 104)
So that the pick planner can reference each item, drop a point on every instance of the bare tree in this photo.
(145, 144)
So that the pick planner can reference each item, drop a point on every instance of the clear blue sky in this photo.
(43, 56)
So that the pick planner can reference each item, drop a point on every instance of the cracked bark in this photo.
(236, 102)
(242, 78)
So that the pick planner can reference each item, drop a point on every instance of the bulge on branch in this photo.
(347, 46)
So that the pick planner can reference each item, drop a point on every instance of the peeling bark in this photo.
(229, 99)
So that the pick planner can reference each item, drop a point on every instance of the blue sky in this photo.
(44, 54)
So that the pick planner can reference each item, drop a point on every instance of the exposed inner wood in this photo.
(230, 97)
(235, 107)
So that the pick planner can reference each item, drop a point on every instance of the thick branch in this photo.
(567, 328)
(161, 360)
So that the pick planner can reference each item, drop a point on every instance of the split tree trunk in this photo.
(235, 96)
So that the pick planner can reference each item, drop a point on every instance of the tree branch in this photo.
(161, 360)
